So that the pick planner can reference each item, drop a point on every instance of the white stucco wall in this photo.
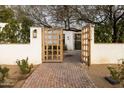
(69, 40)
(105, 53)
(9, 53)
(2, 25)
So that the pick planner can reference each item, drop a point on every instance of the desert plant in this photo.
(117, 73)
(114, 73)
(3, 73)
(121, 73)
(24, 66)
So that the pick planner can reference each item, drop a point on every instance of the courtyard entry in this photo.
(86, 45)
(52, 45)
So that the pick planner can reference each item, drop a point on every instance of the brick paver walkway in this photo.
(69, 74)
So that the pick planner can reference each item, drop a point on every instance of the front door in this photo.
(78, 41)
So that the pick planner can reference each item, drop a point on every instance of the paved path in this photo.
(69, 74)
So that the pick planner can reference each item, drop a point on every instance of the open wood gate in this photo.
(86, 44)
(52, 45)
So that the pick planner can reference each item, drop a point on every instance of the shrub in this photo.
(3, 73)
(114, 73)
(117, 73)
(24, 66)
(121, 73)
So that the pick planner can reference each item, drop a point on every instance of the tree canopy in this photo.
(108, 19)
(6, 14)
(17, 29)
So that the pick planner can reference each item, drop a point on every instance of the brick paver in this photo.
(69, 74)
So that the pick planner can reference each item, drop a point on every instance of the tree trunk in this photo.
(65, 23)
(114, 36)
(68, 21)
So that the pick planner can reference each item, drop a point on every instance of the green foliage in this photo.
(24, 66)
(121, 72)
(117, 73)
(18, 28)
(103, 33)
(120, 27)
(10, 33)
(3, 73)
(6, 14)
(114, 73)
(25, 31)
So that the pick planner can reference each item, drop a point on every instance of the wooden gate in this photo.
(52, 45)
(86, 44)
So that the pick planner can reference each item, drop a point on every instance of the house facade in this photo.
(70, 41)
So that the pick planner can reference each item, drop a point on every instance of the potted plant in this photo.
(116, 73)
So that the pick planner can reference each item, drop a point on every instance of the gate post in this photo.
(92, 34)
(36, 43)
(92, 41)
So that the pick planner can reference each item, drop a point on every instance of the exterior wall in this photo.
(9, 53)
(2, 25)
(69, 40)
(105, 53)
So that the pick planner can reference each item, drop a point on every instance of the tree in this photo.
(62, 15)
(115, 15)
(108, 20)
(10, 33)
(102, 15)
(15, 32)
(90, 14)
(18, 25)
(120, 27)
(103, 33)
(6, 14)
(26, 23)
(37, 14)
